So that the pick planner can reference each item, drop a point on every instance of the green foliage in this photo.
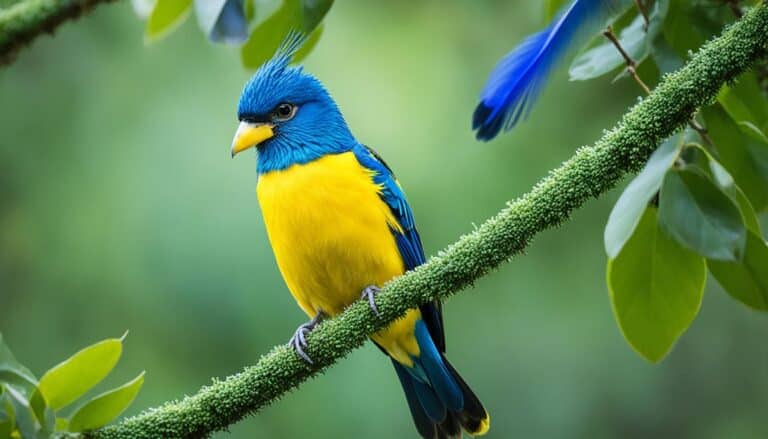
(69, 380)
(700, 216)
(102, 409)
(604, 58)
(656, 287)
(264, 37)
(31, 409)
(267, 36)
(629, 208)
(746, 280)
(707, 192)
(166, 16)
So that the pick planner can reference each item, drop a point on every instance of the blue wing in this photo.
(408, 240)
(517, 79)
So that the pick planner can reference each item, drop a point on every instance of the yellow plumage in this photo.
(330, 232)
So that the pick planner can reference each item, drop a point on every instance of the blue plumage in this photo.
(298, 142)
(517, 79)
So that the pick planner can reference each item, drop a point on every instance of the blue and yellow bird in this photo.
(340, 227)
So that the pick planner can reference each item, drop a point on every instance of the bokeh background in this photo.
(121, 209)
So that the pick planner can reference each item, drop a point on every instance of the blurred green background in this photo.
(121, 209)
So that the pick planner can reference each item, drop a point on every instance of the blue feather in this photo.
(440, 378)
(423, 418)
(518, 78)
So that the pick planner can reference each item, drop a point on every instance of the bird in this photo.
(517, 80)
(340, 227)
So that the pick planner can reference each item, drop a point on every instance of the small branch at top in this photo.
(632, 70)
(631, 64)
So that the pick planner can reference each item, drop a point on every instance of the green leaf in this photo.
(291, 16)
(746, 280)
(656, 287)
(7, 416)
(250, 10)
(266, 38)
(696, 213)
(313, 12)
(688, 25)
(704, 162)
(752, 131)
(166, 16)
(104, 408)
(69, 380)
(26, 424)
(744, 157)
(310, 44)
(62, 424)
(605, 58)
(42, 412)
(12, 372)
(629, 208)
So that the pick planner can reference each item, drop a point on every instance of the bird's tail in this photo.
(441, 402)
(515, 83)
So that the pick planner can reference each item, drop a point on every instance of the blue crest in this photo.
(318, 127)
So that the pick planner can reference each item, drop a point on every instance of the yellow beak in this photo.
(249, 135)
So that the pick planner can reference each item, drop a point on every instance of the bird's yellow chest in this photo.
(330, 231)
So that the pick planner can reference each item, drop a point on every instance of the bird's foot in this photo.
(369, 293)
(299, 340)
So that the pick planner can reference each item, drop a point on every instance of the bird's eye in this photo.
(284, 111)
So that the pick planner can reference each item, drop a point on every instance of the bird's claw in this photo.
(369, 293)
(298, 341)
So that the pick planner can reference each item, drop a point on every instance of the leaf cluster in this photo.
(695, 205)
(34, 409)
(258, 31)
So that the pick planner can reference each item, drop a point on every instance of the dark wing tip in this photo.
(487, 126)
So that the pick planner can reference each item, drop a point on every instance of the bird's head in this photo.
(288, 116)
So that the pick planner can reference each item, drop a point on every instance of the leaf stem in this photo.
(631, 64)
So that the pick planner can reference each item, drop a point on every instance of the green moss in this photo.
(26, 20)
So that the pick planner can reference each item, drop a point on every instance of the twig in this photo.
(632, 70)
(631, 64)
(589, 173)
(24, 21)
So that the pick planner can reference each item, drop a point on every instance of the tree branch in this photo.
(24, 21)
(590, 172)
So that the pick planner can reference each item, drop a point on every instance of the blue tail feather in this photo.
(440, 378)
(441, 403)
(518, 78)
(425, 425)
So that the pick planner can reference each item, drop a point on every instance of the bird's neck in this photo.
(280, 155)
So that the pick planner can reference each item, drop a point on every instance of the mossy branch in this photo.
(24, 21)
(589, 173)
